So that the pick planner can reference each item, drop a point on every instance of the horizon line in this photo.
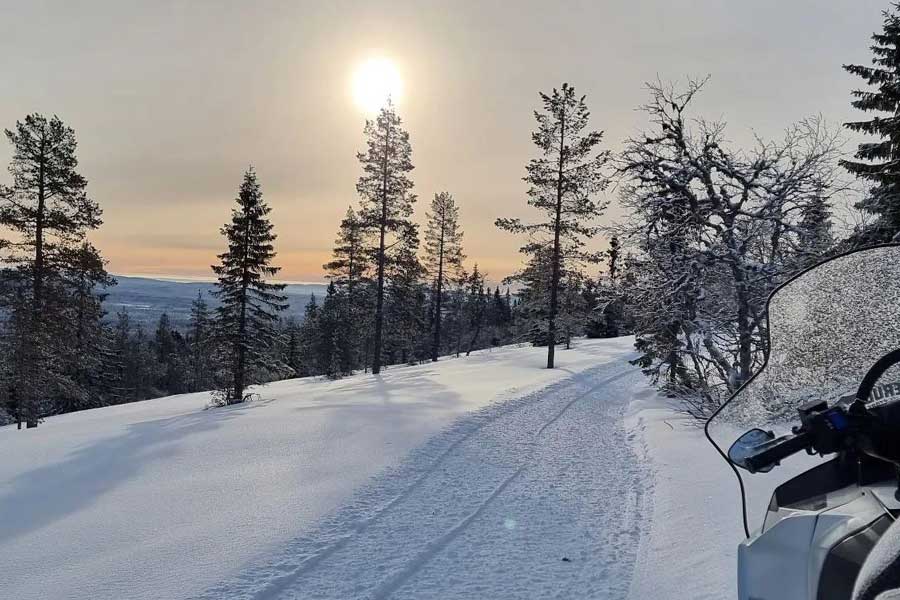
(204, 279)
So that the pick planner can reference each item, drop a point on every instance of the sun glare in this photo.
(374, 81)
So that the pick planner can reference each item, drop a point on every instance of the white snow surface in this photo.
(485, 477)
(478, 477)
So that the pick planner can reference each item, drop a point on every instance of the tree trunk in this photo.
(478, 322)
(241, 360)
(554, 279)
(436, 346)
(379, 301)
(37, 289)
(240, 363)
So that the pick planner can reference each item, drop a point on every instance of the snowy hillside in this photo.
(479, 477)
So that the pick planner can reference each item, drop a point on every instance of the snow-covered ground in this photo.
(478, 477)
(162, 499)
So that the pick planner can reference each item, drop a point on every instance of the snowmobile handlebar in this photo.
(777, 450)
(827, 430)
(822, 430)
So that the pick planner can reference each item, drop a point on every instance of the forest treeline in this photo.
(710, 230)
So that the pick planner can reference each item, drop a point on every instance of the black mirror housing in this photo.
(747, 445)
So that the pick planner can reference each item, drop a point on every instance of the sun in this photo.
(374, 81)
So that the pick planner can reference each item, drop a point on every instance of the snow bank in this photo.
(162, 499)
(695, 525)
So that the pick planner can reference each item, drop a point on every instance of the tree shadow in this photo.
(41, 496)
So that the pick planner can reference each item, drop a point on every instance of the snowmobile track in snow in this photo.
(488, 508)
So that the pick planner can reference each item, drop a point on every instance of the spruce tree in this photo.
(443, 256)
(249, 305)
(309, 340)
(292, 349)
(201, 346)
(386, 192)
(49, 214)
(563, 183)
(332, 339)
(815, 238)
(349, 271)
(612, 258)
(476, 307)
(405, 302)
(83, 343)
(878, 162)
(172, 358)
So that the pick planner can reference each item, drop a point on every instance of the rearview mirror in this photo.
(747, 445)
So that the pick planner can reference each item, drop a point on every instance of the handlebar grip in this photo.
(774, 453)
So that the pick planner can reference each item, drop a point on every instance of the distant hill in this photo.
(145, 299)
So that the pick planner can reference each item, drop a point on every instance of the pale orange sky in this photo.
(172, 100)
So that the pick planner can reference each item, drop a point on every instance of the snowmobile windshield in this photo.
(826, 328)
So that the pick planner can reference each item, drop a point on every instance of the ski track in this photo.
(487, 509)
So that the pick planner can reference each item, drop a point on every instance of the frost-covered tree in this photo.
(49, 214)
(716, 231)
(878, 162)
(815, 237)
(249, 304)
(387, 200)
(443, 257)
(564, 182)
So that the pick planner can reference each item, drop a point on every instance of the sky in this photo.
(172, 100)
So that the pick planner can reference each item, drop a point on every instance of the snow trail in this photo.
(539, 496)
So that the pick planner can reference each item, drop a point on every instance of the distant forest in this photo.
(710, 231)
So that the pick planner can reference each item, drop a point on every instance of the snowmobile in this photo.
(825, 404)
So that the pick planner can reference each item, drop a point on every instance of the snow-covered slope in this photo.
(162, 499)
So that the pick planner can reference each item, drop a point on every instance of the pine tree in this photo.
(83, 342)
(532, 308)
(386, 192)
(246, 317)
(612, 258)
(332, 339)
(405, 304)
(349, 265)
(476, 307)
(349, 270)
(563, 183)
(879, 162)
(573, 311)
(119, 340)
(201, 346)
(49, 213)
(172, 358)
(309, 336)
(443, 256)
(814, 232)
(292, 350)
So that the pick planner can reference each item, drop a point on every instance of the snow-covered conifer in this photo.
(249, 305)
